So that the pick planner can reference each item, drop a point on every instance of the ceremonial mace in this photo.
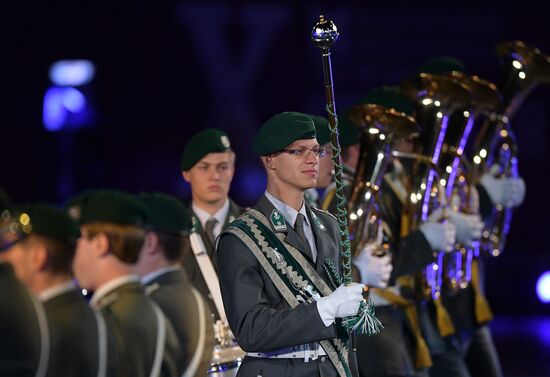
(323, 35)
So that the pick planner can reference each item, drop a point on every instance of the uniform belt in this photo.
(310, 351)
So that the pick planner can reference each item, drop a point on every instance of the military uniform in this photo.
(24, 343)
(79, 339)
(189, 313)
(260, 318)
(132, 319)
(189, 261)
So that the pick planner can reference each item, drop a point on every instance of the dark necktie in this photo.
(299, 228)
(209, 230)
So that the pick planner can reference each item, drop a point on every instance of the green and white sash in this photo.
(295, 278)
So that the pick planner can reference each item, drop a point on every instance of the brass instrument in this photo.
(380, 128)
(525, 68)
(442, 110)
(485, 100)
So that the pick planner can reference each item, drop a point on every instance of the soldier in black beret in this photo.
(111, 223)
(43, 262)
(282, 323)
(208, 165)
(24, 339)
(159, 266)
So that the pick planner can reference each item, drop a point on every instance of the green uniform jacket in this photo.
(74, 337)
(131, 319)
(178, 300)
(190, 263)
(259, 316)
(20, 344)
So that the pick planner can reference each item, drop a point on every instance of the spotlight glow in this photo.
(543, 287)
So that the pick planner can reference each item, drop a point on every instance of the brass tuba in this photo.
(380, 128)
(442, 105)
(525, 68)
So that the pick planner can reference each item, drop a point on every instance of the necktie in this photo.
(209, 230)
(299, 228)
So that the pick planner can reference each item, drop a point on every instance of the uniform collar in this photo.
(155, 274)
(203, 216)
(111, 285)
(56, 290)
(288, 212)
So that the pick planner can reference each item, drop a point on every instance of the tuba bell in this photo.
(442, 105)
(380, 128)
(495, 147)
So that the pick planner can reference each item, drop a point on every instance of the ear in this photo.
(100, 244)
(185, 175)
(39, 257)
(150, 246)
(268, 162)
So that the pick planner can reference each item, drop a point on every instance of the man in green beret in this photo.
(43, 262)
(208, 165)
(24, 343)
(159, 266)
(281, 321)
(111, 223)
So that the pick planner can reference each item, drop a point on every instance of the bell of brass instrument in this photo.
(525, 68)
(485, 100)
(380, 128)
(442, 105)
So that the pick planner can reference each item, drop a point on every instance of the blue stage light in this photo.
(72, 72)
(543, 287)
(63, 107)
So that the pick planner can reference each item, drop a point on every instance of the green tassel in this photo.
(364, 322)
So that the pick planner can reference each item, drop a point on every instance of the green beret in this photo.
(389, 97)
(166, 213)
(322, 129)
(348, 134)
(211, 140)
(440, 65)
(282, 130)
(110, 206)
(47, 220)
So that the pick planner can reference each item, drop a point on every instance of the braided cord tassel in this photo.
(341, 211)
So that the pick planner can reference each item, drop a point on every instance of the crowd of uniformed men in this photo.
(169, 284)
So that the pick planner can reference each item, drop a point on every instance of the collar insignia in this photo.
(278, 221)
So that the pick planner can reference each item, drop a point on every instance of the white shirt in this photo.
(161, 271)
(111, 285)
(56, 290)
(290, 215)
(221, 215)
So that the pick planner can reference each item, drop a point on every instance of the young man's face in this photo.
(210, 178)
(297, 172)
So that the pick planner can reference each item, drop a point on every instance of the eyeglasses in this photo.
(301, 152)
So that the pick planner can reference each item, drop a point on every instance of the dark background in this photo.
(166, 69)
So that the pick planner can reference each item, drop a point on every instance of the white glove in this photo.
(508, 192)
(375, 271)
(468, 227)
(343, 302)
(440, 236)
